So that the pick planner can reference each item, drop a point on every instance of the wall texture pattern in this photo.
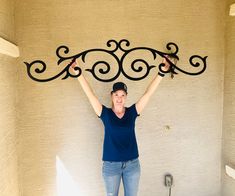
(8, 134)
(180, 131)
(228, 158)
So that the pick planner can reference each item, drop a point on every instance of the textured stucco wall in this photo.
(8, 79)
(228, 185)
(7, 19)
(58, 130)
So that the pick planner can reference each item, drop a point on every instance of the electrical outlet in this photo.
(168, 180)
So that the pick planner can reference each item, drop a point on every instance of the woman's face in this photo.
(119, 98)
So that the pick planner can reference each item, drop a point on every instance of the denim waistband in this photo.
(131, 160)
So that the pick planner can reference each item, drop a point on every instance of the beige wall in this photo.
(7, 19)
(8, 78)
(56, 120)
(228, 185)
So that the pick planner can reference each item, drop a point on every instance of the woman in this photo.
(120, 150)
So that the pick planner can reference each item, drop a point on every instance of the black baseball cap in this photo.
(119, 86)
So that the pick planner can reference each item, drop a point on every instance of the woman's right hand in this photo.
(75, 64)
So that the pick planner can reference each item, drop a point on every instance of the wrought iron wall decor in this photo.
(114, 46)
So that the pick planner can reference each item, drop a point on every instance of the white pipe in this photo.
(9, 48)
(230, 171)
(232, 10)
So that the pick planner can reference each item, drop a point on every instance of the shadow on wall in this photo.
(64, 181)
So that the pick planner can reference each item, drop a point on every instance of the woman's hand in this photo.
(74, 65)
(166, 67)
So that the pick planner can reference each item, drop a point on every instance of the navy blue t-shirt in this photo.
(119, 138)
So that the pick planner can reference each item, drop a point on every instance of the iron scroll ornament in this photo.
(121, 46)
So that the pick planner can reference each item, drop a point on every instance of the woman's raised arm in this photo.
(142, 102)
(97, 106)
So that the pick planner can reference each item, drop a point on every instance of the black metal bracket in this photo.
(123, 47)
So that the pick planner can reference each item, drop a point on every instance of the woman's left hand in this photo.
(166, 67)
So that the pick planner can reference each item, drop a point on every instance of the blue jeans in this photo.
(128, 171)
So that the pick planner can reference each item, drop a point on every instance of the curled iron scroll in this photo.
(138, 65)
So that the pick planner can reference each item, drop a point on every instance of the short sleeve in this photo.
(133, 110)
(103, 112)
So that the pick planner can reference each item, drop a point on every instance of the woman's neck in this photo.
(119, 109)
